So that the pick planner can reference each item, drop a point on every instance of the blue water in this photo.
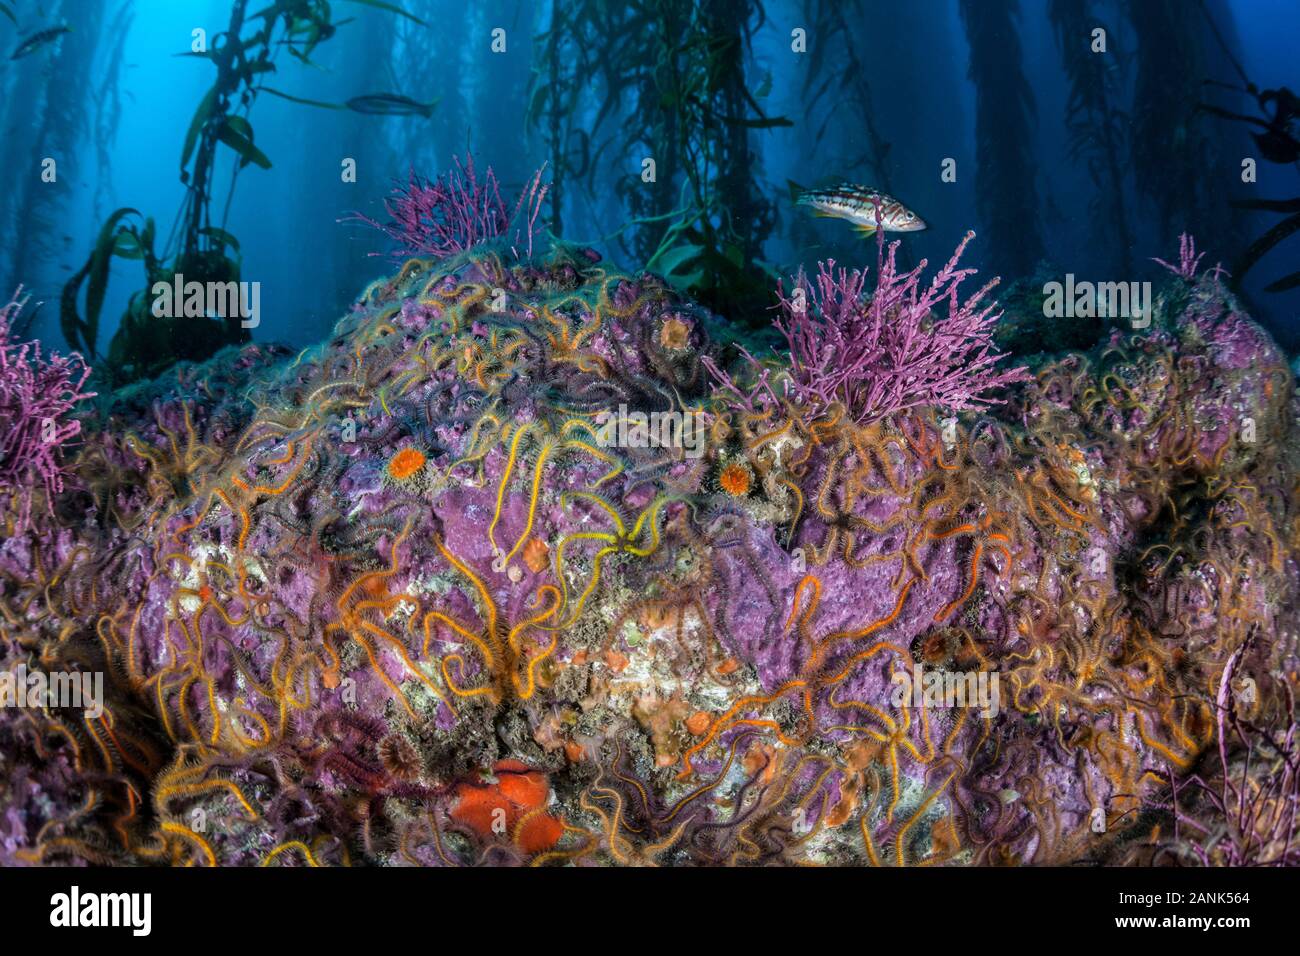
(914, 57)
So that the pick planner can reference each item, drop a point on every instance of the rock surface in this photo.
(396, 600)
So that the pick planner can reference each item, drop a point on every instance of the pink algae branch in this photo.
(888, 352)
(1188, 260)
(456, 211)
(37, 396)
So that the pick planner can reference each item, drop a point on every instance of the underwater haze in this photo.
(112, 100)
(686, 432)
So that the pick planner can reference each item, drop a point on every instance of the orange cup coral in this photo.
(405, 464)
(735, 480)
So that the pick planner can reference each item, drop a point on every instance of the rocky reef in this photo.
(400, 599)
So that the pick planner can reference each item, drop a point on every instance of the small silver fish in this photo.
(863, 207)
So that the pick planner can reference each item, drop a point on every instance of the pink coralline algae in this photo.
(878, 355)
(1188, 260)
(354, 605)
(447, 215)
(37, 399)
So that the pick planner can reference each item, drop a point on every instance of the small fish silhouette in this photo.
(38, 40)
(863, 207)
(390, 104)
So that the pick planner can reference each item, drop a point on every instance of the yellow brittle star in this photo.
(620, 540)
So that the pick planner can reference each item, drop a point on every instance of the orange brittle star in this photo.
(502, 652)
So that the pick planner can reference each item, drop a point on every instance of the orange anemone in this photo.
(536, 555)
(734, 479)
(404, 464)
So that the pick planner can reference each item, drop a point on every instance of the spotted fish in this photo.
(863, 207)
